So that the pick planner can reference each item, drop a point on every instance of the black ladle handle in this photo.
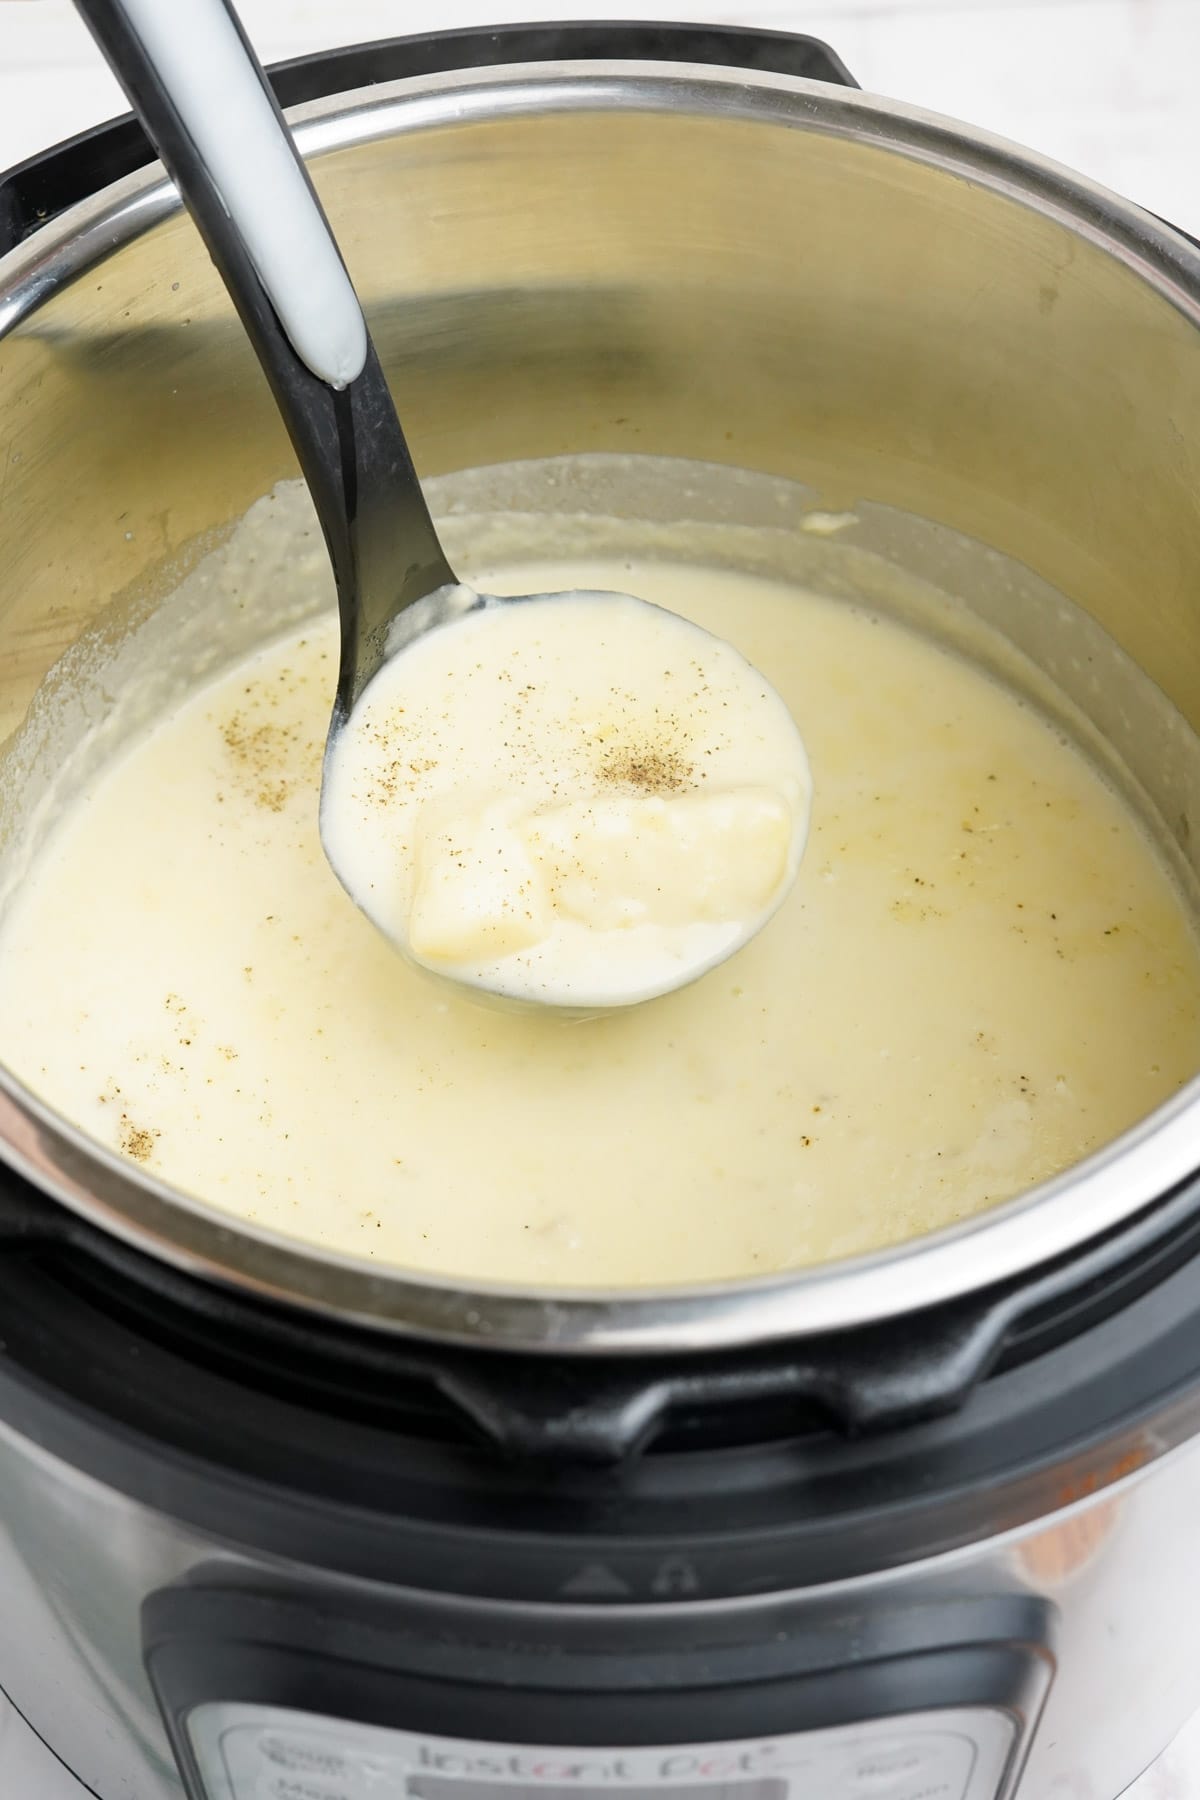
(382, 543)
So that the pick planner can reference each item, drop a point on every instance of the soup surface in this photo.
(983, 972)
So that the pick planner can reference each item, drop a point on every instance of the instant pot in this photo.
(276, 1525)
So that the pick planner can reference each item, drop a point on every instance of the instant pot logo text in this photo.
(596, 1767)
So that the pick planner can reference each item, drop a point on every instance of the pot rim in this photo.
(1152, 1159)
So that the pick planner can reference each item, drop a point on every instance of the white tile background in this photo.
(1111, 87)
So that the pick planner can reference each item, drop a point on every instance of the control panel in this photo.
(317, 1693)
(246, 1752)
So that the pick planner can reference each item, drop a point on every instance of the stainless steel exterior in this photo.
(756, 271)
(27, 1767)
(76, 1560)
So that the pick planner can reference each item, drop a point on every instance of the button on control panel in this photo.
(268, 1753)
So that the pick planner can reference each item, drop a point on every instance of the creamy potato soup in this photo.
(576, 800)
(983, 972)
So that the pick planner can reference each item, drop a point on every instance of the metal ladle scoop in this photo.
(190, 72)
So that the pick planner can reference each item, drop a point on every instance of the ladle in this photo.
(191, 73)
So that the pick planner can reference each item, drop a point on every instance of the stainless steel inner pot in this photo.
(751, 270)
